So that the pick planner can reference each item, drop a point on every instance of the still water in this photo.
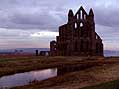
(20, 79)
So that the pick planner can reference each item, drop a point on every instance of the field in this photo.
(105, 71)
(79, 79)
(109, 85)
(27, 63)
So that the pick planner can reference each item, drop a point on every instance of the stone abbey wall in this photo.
(78, 36)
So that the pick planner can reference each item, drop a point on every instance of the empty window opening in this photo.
(96, 37)
(77, 16)
(81, 24)
(75, 25)
(81, 15)
(55, 44)
(46, 54)
(84, 16)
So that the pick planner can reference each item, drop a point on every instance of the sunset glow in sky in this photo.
(34, 23)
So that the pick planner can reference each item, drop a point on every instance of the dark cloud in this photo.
(45, 20)
(107, 17)
(39, 13)
(30, 14)
(47, 14)
(27, 17)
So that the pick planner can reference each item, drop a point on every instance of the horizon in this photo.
(33, 24)
(40, 48)
(107, 53)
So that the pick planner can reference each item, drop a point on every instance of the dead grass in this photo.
(79, 79)
(73, 80)
(26, 63)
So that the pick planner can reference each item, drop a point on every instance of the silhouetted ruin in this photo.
(78, 36)
(44, 53)
(36, 52)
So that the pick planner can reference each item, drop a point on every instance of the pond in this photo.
(20, 79)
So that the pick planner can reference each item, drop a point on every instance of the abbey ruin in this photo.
(78, 36)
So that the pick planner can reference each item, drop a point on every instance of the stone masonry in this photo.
(78, 36)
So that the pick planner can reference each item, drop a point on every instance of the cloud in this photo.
(110, 36)
(21, 18)
(45, 14)
(30, 14)
(107, 18)
(45, 34)
(19, 38)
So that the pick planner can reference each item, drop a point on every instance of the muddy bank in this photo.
(19, 65)
(79, 79)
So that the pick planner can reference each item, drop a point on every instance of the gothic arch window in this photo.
(81, 14)
(84, 16)
(82, 31)
(81, 24)
(55, 44)
(77, 16)
(76, 26)
(96, 37)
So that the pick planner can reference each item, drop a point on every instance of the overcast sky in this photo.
(34, 23)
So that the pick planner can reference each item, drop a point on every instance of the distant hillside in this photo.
(23, 50)
(32, 50)
(111, 53)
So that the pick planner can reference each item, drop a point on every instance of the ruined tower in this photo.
(78, 36)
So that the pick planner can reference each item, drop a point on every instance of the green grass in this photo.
(108, 85)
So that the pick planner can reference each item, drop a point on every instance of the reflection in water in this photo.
(20, 79)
